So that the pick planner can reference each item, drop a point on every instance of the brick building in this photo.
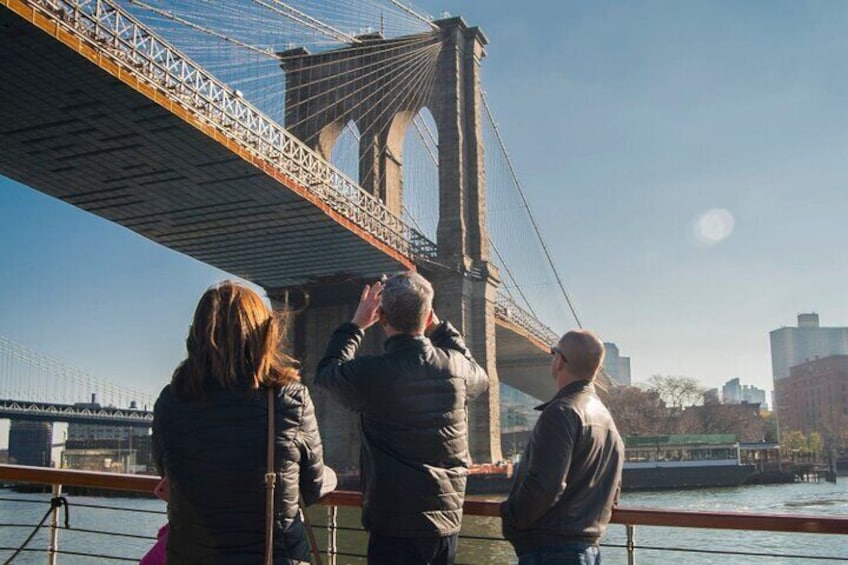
(814, 398)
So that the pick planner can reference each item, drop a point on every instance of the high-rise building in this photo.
(616, 365)
(734, 392)
(30, 443)
(792, 346)
(814, 398)
(731, 392)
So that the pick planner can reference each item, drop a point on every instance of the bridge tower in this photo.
(326, 91)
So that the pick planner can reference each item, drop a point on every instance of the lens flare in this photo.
(713, 226)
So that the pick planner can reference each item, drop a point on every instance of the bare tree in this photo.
(675, 393)
(742, 420)
(635, 411)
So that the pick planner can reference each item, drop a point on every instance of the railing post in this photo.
(54, 528)
(631, 544)
(332, 519)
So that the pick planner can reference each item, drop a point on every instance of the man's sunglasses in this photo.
(557, 351)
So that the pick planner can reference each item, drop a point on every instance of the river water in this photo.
(109, 514)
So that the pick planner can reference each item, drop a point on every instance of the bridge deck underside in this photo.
(523, 362)
(69, 129)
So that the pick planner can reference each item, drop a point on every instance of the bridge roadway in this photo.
(85, 128)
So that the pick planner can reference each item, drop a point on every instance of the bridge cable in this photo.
(407, 52)
(424, 84)
(527, 207)
(427, 148)
(421, 127)
(419, 70)
(307, 20)
(411, 12)
(231, 25)
(379, 71)
(198, 27)
(413, 75)
(501, 260)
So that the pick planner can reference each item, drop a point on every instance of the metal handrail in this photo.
(628, 516)
(507, 309)
(116, 35)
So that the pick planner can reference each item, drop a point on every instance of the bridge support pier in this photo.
(468, 302)
(320, 309)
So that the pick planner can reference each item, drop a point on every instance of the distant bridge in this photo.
(46, 412)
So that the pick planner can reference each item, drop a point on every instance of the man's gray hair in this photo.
(407, 300)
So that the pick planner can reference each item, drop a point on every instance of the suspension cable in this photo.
(415, 14)
(306, 20)
(518, 185)
(202, 29)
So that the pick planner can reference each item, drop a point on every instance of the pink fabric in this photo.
(156, 555)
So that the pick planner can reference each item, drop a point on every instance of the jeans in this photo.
(385, 550)
(563, 554)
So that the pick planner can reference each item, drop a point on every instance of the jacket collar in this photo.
(402, 341)
(577, 386)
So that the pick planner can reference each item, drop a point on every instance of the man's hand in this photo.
(368, 311)
(434, 323)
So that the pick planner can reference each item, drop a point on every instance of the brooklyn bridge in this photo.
(282, 147)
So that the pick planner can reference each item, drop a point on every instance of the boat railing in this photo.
(345, 501)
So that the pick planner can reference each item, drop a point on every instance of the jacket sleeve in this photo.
(316, 479)
(544, 480)
(339, 373)
(445, 336)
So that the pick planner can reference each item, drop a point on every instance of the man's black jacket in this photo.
(569, 476)
(412, 404)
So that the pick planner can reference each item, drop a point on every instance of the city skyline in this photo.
(687, 174)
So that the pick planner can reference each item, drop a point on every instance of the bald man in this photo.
(569, 477)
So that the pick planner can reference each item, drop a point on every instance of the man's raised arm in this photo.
(338, 372)
(444, 336)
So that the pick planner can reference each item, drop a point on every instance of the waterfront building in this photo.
(98, 447)
(133, 455)
(792, 346)
(85, 432)
(616, 365)
(101, 459)
(814, 398)
(30, 443)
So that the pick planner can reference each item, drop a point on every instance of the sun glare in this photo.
(713, 226)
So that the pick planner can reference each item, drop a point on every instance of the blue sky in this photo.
(627, 122)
